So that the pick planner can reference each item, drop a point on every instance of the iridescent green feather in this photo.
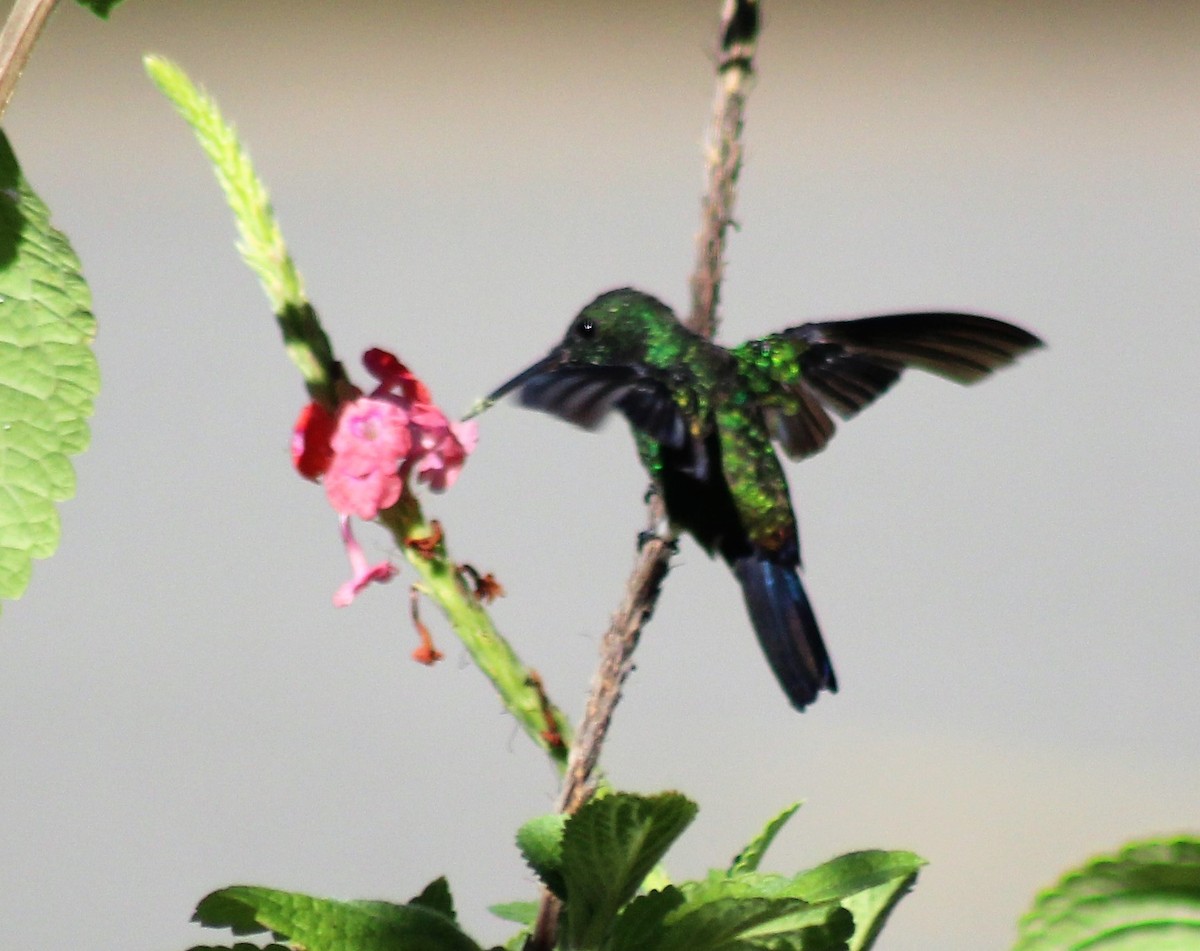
(770, 371)
(769, 365)
(650, 452)
(755, 478)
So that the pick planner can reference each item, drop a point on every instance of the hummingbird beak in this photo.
(551, 361)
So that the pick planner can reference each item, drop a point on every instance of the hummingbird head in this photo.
(619, 328)
(614, 341)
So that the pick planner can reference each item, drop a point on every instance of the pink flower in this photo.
(439, 446)
(362, 573)
(373, 426)
(365, 451)
(371, 440)
(442, 446)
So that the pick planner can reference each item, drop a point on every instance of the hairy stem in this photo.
(616, 663)
(735, 75)
(738, 36)
(21, 30)
(519, 687)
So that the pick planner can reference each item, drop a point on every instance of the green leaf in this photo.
(739, 924)
(854, 872)
(102, 8)
(656, 879)
(793, 921)
(1145, 897)
(323, 924)
(720, 884)
(240, 946)
(749, 858)
(48, 375)
(540, 842)
(868, 884)
(518, 912)
(873, 906)
(261, 242)
(640, 923)
(436, 895)
(608, 847)
(220, 909)
(522, 913)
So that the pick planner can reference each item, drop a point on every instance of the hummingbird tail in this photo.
(786, 627)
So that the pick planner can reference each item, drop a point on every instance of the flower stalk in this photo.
(374, 466)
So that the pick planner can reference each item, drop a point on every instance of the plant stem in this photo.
(735, 71)
(520, 688)
(735, 76)
(616, 663)
(21, 30)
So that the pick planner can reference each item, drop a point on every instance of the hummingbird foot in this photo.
(661, 534)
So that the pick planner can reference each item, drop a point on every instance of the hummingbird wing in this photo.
(845, 365)
(584, 394)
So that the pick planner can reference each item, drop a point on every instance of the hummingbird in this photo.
(704, 418)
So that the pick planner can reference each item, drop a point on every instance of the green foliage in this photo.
(436, 897)
(48, 375)
(747, 860)
(240, 946)
(540, 842)
(608, 848)
(102, 8)
(1144, 898)
(867, 884)
(640, 923)
(322, 924)
(523, 913)
(739, 924)
(518, 912)
(841, 904)
(596, 860)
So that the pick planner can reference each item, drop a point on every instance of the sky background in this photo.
(1006, 575)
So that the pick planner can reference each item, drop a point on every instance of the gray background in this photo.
(1006, 575)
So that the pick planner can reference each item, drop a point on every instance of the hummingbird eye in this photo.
(585, 328)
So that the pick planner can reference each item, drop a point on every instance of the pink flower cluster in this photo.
(365, 452)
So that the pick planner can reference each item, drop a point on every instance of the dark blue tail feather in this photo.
(786, 627)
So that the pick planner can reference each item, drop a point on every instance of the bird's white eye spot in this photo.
(585, 327)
